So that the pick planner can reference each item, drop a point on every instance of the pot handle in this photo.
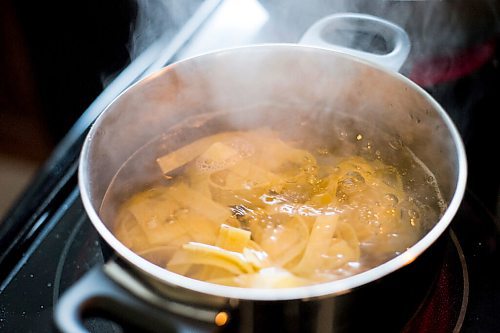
(96, 295)
(364, 36)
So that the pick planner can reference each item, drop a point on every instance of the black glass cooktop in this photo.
(465, 297)
(47, 242)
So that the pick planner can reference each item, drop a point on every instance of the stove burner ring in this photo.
(59, 275)
(444, 308)
(465, 275)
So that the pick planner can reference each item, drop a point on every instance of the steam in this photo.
(156, 18)
(154, 26)
(436, 28)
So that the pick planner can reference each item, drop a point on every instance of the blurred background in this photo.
(55, 58)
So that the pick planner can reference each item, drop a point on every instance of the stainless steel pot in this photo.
(266, 84)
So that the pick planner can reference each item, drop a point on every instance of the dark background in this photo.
(55, 57)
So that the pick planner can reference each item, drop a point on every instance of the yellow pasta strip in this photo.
(218, 156)
(228, 238)
(237, 240)
(231, 281)
(346, 232)
(232, 239)
(152, 204)
(204, 206)
(202, 254)
(153, 211)
(187, 153)
(339, 253)
(245, 182)
(272, 277)
(257, 258)
(158, 255)
(318, 244)
(129, 232)
(285, 240)
(199, 228)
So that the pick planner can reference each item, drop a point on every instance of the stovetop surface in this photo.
(48, 243)
(465, 297)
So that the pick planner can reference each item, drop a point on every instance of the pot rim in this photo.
(331, 288)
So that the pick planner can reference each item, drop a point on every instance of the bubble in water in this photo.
(323, 151)
(152, 224)
(390, 176)
(413, 214)
(270, 199)
(391, 199)
(391, 212)
(374, 223)
(359, 137)
(353, 180)
(249, 185)
(295, 195)
(430, 180)
(308, 159)
(224, 157)
(183, 210)
(310, 169)
(349, 184)
(289, 209)
(206, 165)
(396, 144)
(243, 147)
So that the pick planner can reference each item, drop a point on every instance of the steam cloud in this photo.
(436, 27)
(156, 18)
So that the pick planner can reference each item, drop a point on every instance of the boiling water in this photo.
(385, 224)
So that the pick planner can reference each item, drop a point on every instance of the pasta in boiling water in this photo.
(250, 209)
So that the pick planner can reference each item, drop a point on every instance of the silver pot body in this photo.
(268, 84)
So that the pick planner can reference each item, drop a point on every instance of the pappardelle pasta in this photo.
(250, 209)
